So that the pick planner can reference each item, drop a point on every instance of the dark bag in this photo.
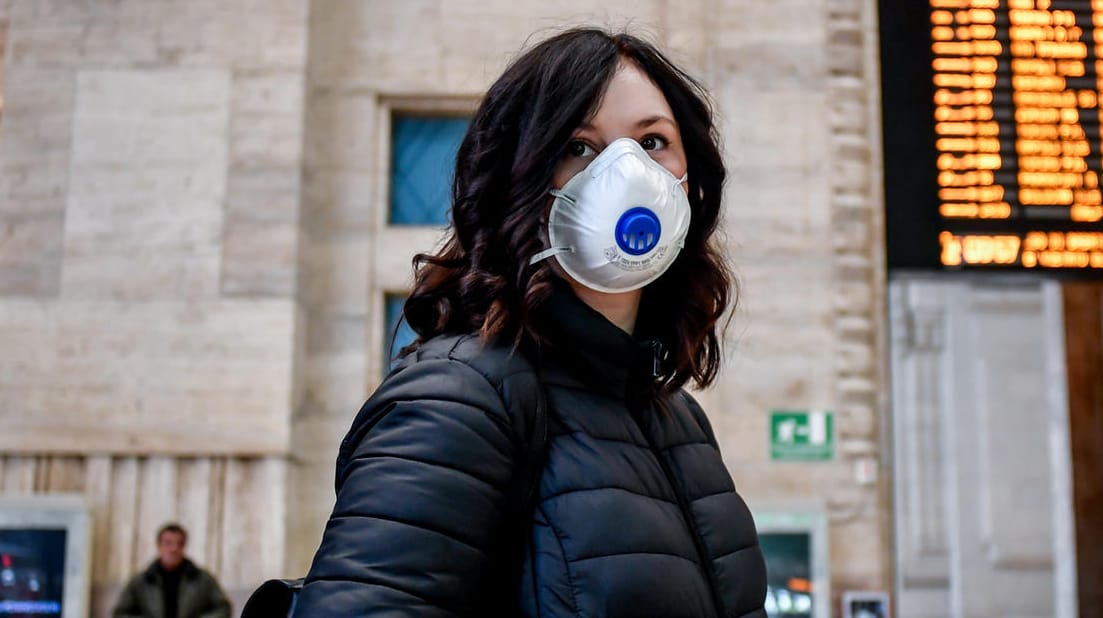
(276, 598)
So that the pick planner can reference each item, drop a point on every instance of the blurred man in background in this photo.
(173, 586)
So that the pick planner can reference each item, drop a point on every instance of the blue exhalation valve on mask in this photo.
(638, 231)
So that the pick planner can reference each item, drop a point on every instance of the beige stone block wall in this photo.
(796, 86)
(150, 168)
(152, 377)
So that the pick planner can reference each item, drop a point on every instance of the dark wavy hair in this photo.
(480, 280)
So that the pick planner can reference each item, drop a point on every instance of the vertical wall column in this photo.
(981, 449)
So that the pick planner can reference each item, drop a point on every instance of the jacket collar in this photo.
(583, 347)
(188, 570)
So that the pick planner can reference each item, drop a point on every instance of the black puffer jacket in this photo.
(636, 514)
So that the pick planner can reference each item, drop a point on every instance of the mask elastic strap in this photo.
(560, 194)
(547, 253)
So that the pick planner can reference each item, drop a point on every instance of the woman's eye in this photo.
(579, 149)
(653, 142)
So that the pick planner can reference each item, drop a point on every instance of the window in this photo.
(423, 157)
(393, 341)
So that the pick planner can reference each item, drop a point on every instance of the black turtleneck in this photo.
(597, 352)
(170, 590)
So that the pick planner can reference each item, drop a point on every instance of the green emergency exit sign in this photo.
(804, 435)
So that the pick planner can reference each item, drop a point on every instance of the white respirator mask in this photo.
(618, 224)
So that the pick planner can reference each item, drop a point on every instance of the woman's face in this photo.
(633, 107)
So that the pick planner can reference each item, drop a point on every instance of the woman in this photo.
(579, 272)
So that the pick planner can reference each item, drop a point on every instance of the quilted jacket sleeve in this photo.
(422, 482)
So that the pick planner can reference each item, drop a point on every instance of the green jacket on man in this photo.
(199, 595)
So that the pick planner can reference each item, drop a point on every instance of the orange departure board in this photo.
(992, 139)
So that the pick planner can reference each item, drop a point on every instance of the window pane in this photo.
(423, 159)
(392, 342)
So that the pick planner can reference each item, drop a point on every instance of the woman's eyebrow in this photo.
(650, 120)
(642, 124)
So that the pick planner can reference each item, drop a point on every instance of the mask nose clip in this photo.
(612, 152)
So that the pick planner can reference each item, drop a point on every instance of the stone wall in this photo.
(796, 86)
(150, 164)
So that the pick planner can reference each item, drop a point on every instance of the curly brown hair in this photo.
(480, 280)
